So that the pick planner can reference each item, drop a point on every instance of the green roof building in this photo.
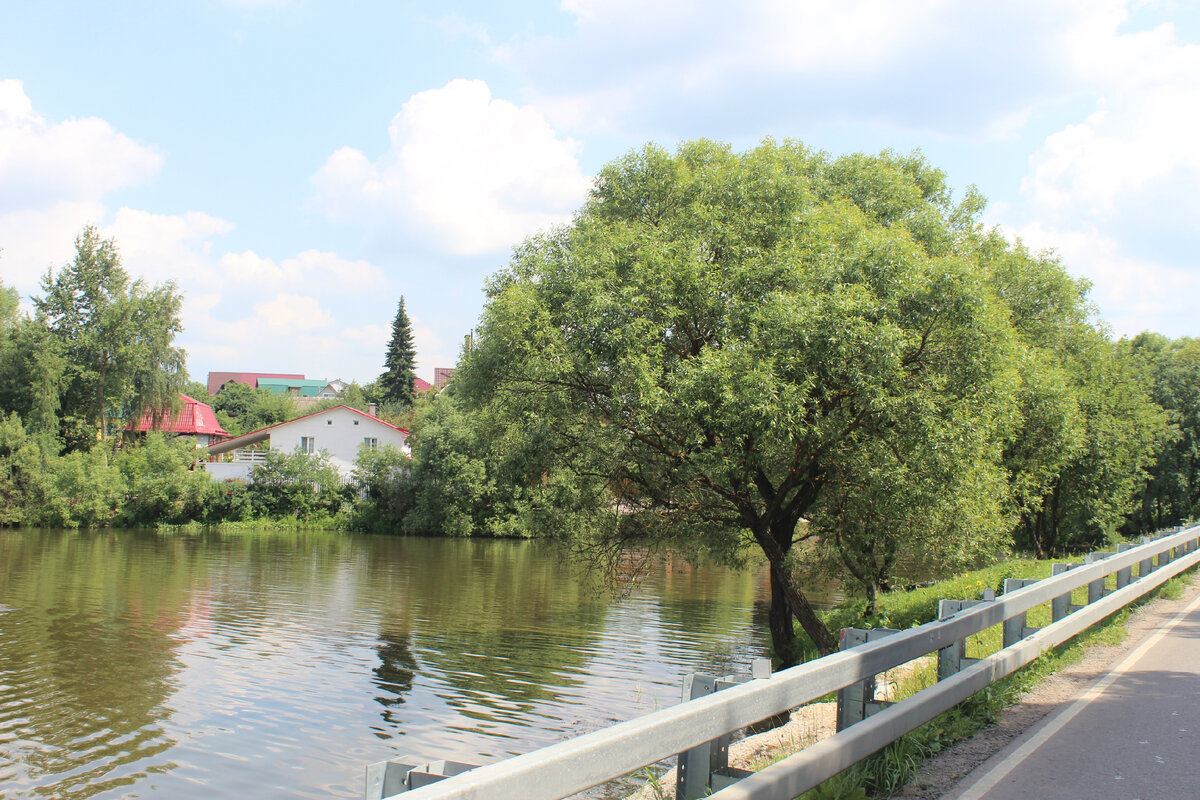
(293, 387)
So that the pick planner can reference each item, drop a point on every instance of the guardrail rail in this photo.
(563, 769)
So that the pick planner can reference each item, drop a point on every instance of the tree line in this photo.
(828, 361)
(97, 353)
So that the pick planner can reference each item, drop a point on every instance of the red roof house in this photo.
(420, 385)
(194, 419)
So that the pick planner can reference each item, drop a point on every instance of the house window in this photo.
(328, 422)
(308, 444)
(371, 442)
(355, 422)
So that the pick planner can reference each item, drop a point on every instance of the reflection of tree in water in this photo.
(397, 664)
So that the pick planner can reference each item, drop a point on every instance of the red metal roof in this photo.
(194, 418)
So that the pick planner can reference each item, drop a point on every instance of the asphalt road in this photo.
(1132, 735)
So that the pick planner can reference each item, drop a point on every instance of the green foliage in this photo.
(229, 502)
(9, 304)
(241, 409)
(196, 390)
(1111, 434)
(234, 399)
(1172, 493)
(83, 491)
(301, 485)
(453, 492)
(382, 478)
(907, 608)
(354, 396)
(116, 335)
(724, 344)
(1086, 427)
(162, 487)
(21, 471)
(396, 384)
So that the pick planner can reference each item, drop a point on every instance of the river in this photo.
(261, 664)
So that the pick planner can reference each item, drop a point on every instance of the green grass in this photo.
(891, 768)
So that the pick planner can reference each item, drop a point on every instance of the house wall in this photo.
(338, 431)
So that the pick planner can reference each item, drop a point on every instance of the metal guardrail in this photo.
(571, 766)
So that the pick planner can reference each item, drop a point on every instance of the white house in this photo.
(334, 388)
(339, 431)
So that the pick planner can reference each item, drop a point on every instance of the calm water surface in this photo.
(134, 664)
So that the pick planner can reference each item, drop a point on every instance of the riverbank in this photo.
(928, 762)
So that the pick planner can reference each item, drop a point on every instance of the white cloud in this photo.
(682, 69)
(332, 272)
(161, 247)
(1140, 137)
(1134, 294)
(464, 173)
(33, 241)
(287, 333)
(1114, 193)
(44, 162)
(240, 309)
(289, 313)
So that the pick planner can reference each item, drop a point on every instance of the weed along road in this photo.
(1134, 734)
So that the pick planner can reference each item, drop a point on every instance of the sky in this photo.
(297, 166)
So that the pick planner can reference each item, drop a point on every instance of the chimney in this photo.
(371, 409)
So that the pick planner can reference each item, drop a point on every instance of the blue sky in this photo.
(295, 166)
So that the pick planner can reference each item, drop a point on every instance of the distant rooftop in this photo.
(195, 418)
(218, 379)
(295, 387)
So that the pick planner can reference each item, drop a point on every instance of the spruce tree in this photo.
(398, 381)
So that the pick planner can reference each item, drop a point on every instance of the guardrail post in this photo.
(403, 774)
(1096, 587)
(705, 767)
(953, 658)
(857, 701)
(1061, 605)
(1168, 555)
(1146, 565)
(1124, 576)
(1014, 627)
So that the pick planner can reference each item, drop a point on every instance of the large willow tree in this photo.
(748, 349)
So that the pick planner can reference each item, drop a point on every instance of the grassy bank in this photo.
(313, 523)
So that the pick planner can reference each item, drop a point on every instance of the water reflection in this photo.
(134, 663)
(394, 675)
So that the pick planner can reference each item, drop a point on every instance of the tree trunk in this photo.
(794, 601)
(783, 630)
